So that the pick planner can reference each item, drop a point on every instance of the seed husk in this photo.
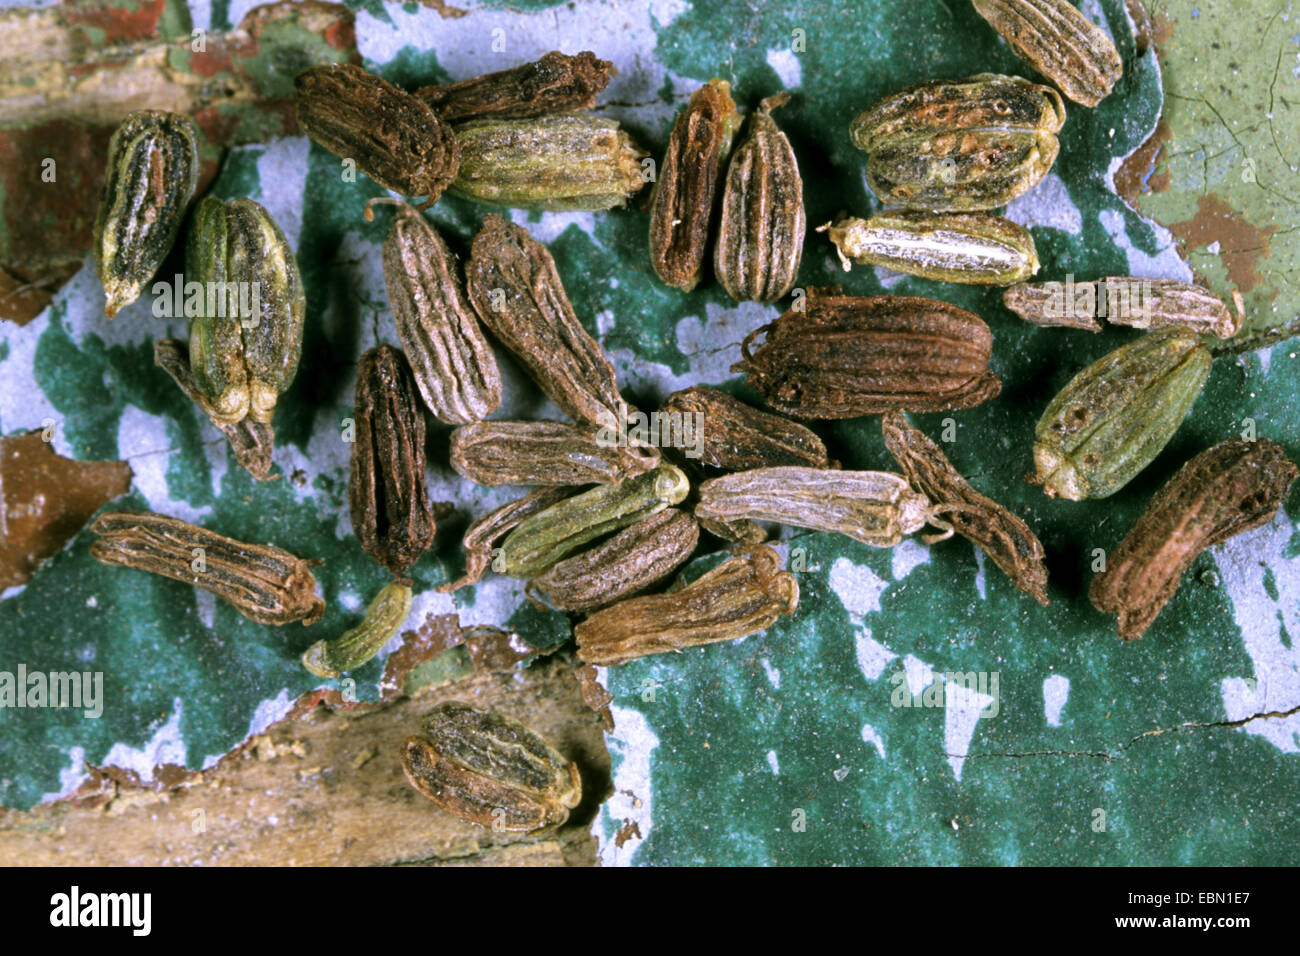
(490, 769)
(1113, 418)
(356, 646)
(634, 560)
(557, 83)
(264, 583)
(844, 356)
(1057, 40)
(683, 203)
(973, 248)
(964, 145)
(1004, 537)
(742, 596)
(152, 172)
(1230, 488)
(540, 541)
(548, 162)
(393, 137)
(454, 367)
(762, 223)
(544, 453)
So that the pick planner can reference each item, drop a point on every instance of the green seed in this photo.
(353, 648)
(540, 541)
(1115, 416)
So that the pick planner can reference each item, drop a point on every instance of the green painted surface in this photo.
(796, 745)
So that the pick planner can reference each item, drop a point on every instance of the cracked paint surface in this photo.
(790, 746)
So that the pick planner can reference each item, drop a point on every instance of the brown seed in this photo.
(490, 769)
(682, 206)
(739, 597)
(481, 536)
(556, 83)
(1005, 538)
(388, 490)
(875, 507)
(264, 583)
(1233, 487)
(517, 292)
(634, 560)
(743, 531)
(1057, 40)
(761, 229)
(736, 437)
(1125, 300)
(453, 364)
(544, 453)
(393, 137)
(842, 357)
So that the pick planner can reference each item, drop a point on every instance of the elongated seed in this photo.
(354, 647)
(544, 453)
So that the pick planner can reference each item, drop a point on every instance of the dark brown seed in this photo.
(490, 769)
(544, 453)
(736, 437)
(1233, 487)
(682, 207)
(482, 536)
(389, 497)
(634, 560)
(842, 357)
(761, 228)
(393, 137)
(264, 583)
(1005, 538)
(517, 292)
(739, 597)
(557, 83)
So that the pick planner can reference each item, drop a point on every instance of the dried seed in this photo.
(387, 491)
(972, 247)
(1005, 538)
(843, 357)
(739, 532)
(1233, 487)
(481, 536)
(517, 292)
(967, 145)
(1125, 300)
(550, 162)
(682, 206)
(543, 539)
(738, 438)
(251, 441)
(153, 170)
(246, 339)
(634, 560)
(761, 228)
(491, 770)
(385, 616)
(875, 507)
(739, 597)
(556, 83)
(1116, 415)
(393, 137)
(453, 364)
(1059, 42)
(544, 453)
(264, 583)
